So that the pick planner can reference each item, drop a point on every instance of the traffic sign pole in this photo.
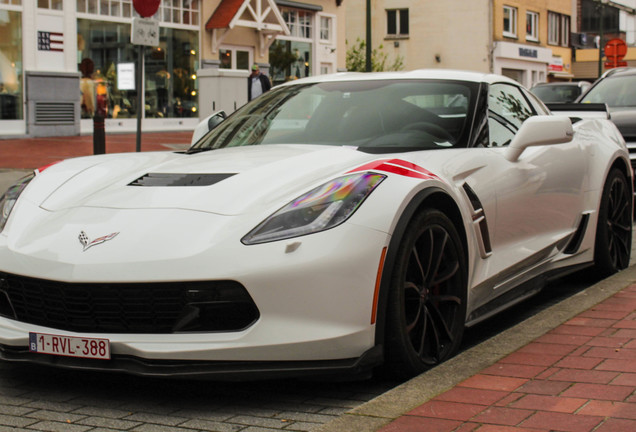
(141, 102)
(143, 32)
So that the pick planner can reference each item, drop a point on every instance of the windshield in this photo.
(615, 91)
(374, 115)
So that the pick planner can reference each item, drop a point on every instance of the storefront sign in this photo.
(126, 76)
(528, 52)
(556, 65)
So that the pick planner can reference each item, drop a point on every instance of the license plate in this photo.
(69, 346)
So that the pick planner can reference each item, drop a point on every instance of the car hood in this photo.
(225, 181)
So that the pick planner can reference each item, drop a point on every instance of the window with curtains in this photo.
(532, 26)
(510, 21)
(558, 29)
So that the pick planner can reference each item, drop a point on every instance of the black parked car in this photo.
(560, 92)
(617, 89)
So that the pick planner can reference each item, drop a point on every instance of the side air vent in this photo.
(58, 113)
(159, 179)
(575, 242)
(479, 219)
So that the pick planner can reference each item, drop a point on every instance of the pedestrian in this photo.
(87, 88)
(257, 83)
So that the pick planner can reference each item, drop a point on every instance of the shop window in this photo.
(397, 22)
(10, 65)
(532, 26)
(170, 71)
(289, 60)
(510, 21)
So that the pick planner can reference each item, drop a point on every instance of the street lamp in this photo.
(368, 66)
(601, 9)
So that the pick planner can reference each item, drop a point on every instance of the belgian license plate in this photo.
(69, 346)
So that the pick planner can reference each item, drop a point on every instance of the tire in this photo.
(613, 243)
(426, 308)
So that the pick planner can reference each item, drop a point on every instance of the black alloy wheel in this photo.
(613, 246)
(427, 301)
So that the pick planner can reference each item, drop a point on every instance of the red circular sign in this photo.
(615, 49)
(146, 8)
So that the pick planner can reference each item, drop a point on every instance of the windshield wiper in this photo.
(198, 150)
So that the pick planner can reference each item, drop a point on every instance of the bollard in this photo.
(99, 135)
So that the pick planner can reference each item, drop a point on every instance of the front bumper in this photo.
(314, 294)
(216, 370)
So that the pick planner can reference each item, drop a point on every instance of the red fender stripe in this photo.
(42, 168)
(397, 166)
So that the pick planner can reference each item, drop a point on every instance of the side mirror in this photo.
(207, 124)
(538, 131)
(216, 119)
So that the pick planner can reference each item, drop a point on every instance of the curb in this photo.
(378, 412)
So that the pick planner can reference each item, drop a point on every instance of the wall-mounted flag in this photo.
(50, 41)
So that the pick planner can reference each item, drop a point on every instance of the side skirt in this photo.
(520, 293)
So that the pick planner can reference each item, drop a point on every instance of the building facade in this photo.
(532, 40)
(526, 40)
(455, 34)
(599, 22)
(64, 61)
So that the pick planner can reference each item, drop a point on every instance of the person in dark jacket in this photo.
(257, 83)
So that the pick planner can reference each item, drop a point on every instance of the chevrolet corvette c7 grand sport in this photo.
(332, 225)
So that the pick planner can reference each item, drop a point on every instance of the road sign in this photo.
(145, 32)
(146, 8)
(615, 49)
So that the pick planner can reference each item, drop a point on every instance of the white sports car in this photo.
(329, 226)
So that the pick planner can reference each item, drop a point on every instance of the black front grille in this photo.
(127, 307)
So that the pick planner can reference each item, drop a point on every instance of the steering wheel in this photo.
(430, 128)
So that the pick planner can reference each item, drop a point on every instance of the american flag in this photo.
(50, 41)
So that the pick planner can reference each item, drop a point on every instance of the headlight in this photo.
(322, 208)
(8, 200)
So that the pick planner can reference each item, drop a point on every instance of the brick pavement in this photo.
(31, 153)
(579, 377)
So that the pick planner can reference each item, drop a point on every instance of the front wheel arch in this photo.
(613, 234)
(430, 198)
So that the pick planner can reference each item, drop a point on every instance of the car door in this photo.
(538, 198)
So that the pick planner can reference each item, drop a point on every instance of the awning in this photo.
(260, 15)
(224, 13)
(299, 5)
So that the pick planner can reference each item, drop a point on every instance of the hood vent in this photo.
(159, 179)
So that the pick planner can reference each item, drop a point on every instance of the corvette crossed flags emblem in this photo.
(88, 243)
